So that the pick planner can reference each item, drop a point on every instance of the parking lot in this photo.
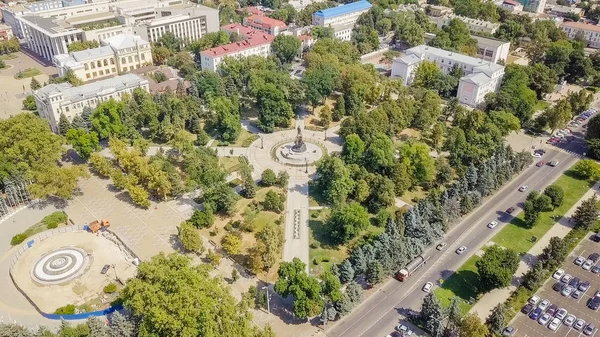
(526, 326)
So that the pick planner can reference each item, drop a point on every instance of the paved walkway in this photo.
(560, 229)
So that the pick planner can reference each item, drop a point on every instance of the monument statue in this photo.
(299, 145)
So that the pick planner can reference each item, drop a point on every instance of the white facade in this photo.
(511, 5)
(118, 54)
(491, 49)
(562, 11)
(258, 44)
(341, 18)
(534, 6)
(591, 33)
(54, 99)
(481, 77)
(474, 25)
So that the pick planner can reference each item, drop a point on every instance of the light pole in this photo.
(267, 291)
(262, 145)
(325, 134)
(306, 161)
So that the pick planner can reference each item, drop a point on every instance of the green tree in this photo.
(273, 202)
(203, 219)
(106, 119)
(286, 47)
(472, 326)
(85, 143)
(248, 183)
(101, 164)
(346, 221)
(282, 179)
(190, 238)
(225, 118)
(496, 321)
(556, 195)
(432, 315)
(427, 75)
(375, 273)
(558, 115)
(554, 254)
(160, 55)
(82, 45)
(171, 297)
(587, 213)
(29, 103)
(325, 116)
(268, 177)
(139, 195)
(334, 180)
(63, 125)
(353, 149)
(273, 109)
(35, 84)
(331, 287)
(421, 166)
(379, 155)
(232, 243)
(587, 169)
(339, 111)
(270, 241)
(305, 289)
(496, 268)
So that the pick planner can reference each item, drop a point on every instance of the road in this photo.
(378, 315)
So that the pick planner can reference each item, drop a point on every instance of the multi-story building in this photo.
(563, 11)
(265, 24)
(474, 25)
(188, 22)
(6, 33)
(341, 18)
(512, 5)
(591, 33)
(55, 99)
(491, 49)
(437, 11)
(9, 16)
(481, 77)
(534, 6)
(238, 29)
(257, 44)
(119, 54)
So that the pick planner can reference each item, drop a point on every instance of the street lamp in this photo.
(267, 291)
(262, 146)
(325, 134)
(306, 161)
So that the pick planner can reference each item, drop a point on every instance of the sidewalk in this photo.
(484, 306)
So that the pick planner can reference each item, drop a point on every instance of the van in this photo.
(553, 163)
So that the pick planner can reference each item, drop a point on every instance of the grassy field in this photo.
(29, 72)
(541, 105)
(323, 251)
(8, 56)
(230, 164)
(244, 140)
(411, 197)
(515, 235)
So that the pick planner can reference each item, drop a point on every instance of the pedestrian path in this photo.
(560, 229)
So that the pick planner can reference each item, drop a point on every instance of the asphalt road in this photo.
(378, 315)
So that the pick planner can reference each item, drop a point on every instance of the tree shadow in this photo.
(463, 284)
(529, 259)
(321, 234)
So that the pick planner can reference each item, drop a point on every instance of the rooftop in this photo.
(511, 2)
(92, 54)
(580, 25)
(124, 41)
(566, 9)
(489, 41)
(166, 19)
(264, 21)
(236, 27)
(254, 40)
(486, 67)
(476, 78)
(94, 89)
(48, 24)
(344, 9)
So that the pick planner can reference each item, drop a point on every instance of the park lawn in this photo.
(412, 196)
(541, 105)
(463, 283)
(323, 251)
(29, 72)
(230, 164)
(245, 139)
(11, 56)
(517, 236)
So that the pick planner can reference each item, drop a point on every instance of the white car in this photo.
(579, 260)
(566, 279)
(461, 250)
(561, 313)
(544, 304)
(554, 324)
(537, 155)
(544, 319)
(427, 287)
(569, 320)
(523, 188)
(558, 274)
(587, 265)
(533, 299)
(492, 224)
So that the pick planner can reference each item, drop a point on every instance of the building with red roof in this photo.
(243, 31)
(265, 24)
(256, 44)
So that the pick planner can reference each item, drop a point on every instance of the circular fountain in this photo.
(60, 266)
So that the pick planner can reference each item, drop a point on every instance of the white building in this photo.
(534, 6)
(591, 33)
(265, 24)
(491, 49)
(512, 5)
(256, 44)
(54, 99)
(562, 11)
(341, 18)
(481, 77)
(474, 25)
(119, 54)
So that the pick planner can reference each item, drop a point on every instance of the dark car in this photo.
(510, 210)
(552, 309)
(105, 269)
(574, 282)
(594, 257)
(594, 303)
(535, 314)
(558, 286)
(576, 294)
(527, 308)
(595, 270)
(584, 286)
(540, 151)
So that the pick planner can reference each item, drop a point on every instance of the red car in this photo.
(510, 210)
(540, 164)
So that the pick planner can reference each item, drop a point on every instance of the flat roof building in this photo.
(481, 77)
(474, 25)
(341, 18)
(63, 98)
(591, 33)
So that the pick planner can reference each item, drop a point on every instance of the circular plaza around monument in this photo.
(298, 152)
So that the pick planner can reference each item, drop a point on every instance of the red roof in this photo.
(305, 37)
(235, 27)
(511, 2)
(264, 22)
(253, 10)
(255, 39)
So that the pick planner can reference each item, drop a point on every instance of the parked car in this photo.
(567, 291)
(461, 250)
(404, 330)
(544, 319)
(552, 309)
(553, 163)
(561, 313)
(558, 274)
(584, 286)
(105, 269)
(595, 269)
(594, 257)
(492, 224)
(427, 287)
(558, 286)
(569, 320)
(594, 303)
(576, 294)
(579, 324)
(574, 282)
(441, 246)
(566, 279)
(589, 329)
(527, 308)
(544, 304)
(554, 324)
(533, 299)
(587, 265)
(535, 314)
(508, 331)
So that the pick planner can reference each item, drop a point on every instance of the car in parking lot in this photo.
(510, 210)
(566, 279)
(558, 286)
(569, 320)
(535, 314)
(567, 291)
(589, 329)
(552, 309)
(523, 188)
(579, 324)
(558, 274)
(105, 269)
(594, 257)
(533, 299)
(594, 303)
(554, 324)
(587, 265)
(544, 319)
(404, 330)
(574, 282)
(561, 313)
(576, 294)
(595, 269)
(579, 260)
(544, 304)
(461, 250)
(492, 224)
(441, 246)
(508, 331)
(584, 286)
(527, 308)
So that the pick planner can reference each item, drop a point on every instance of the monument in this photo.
(299, 145)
